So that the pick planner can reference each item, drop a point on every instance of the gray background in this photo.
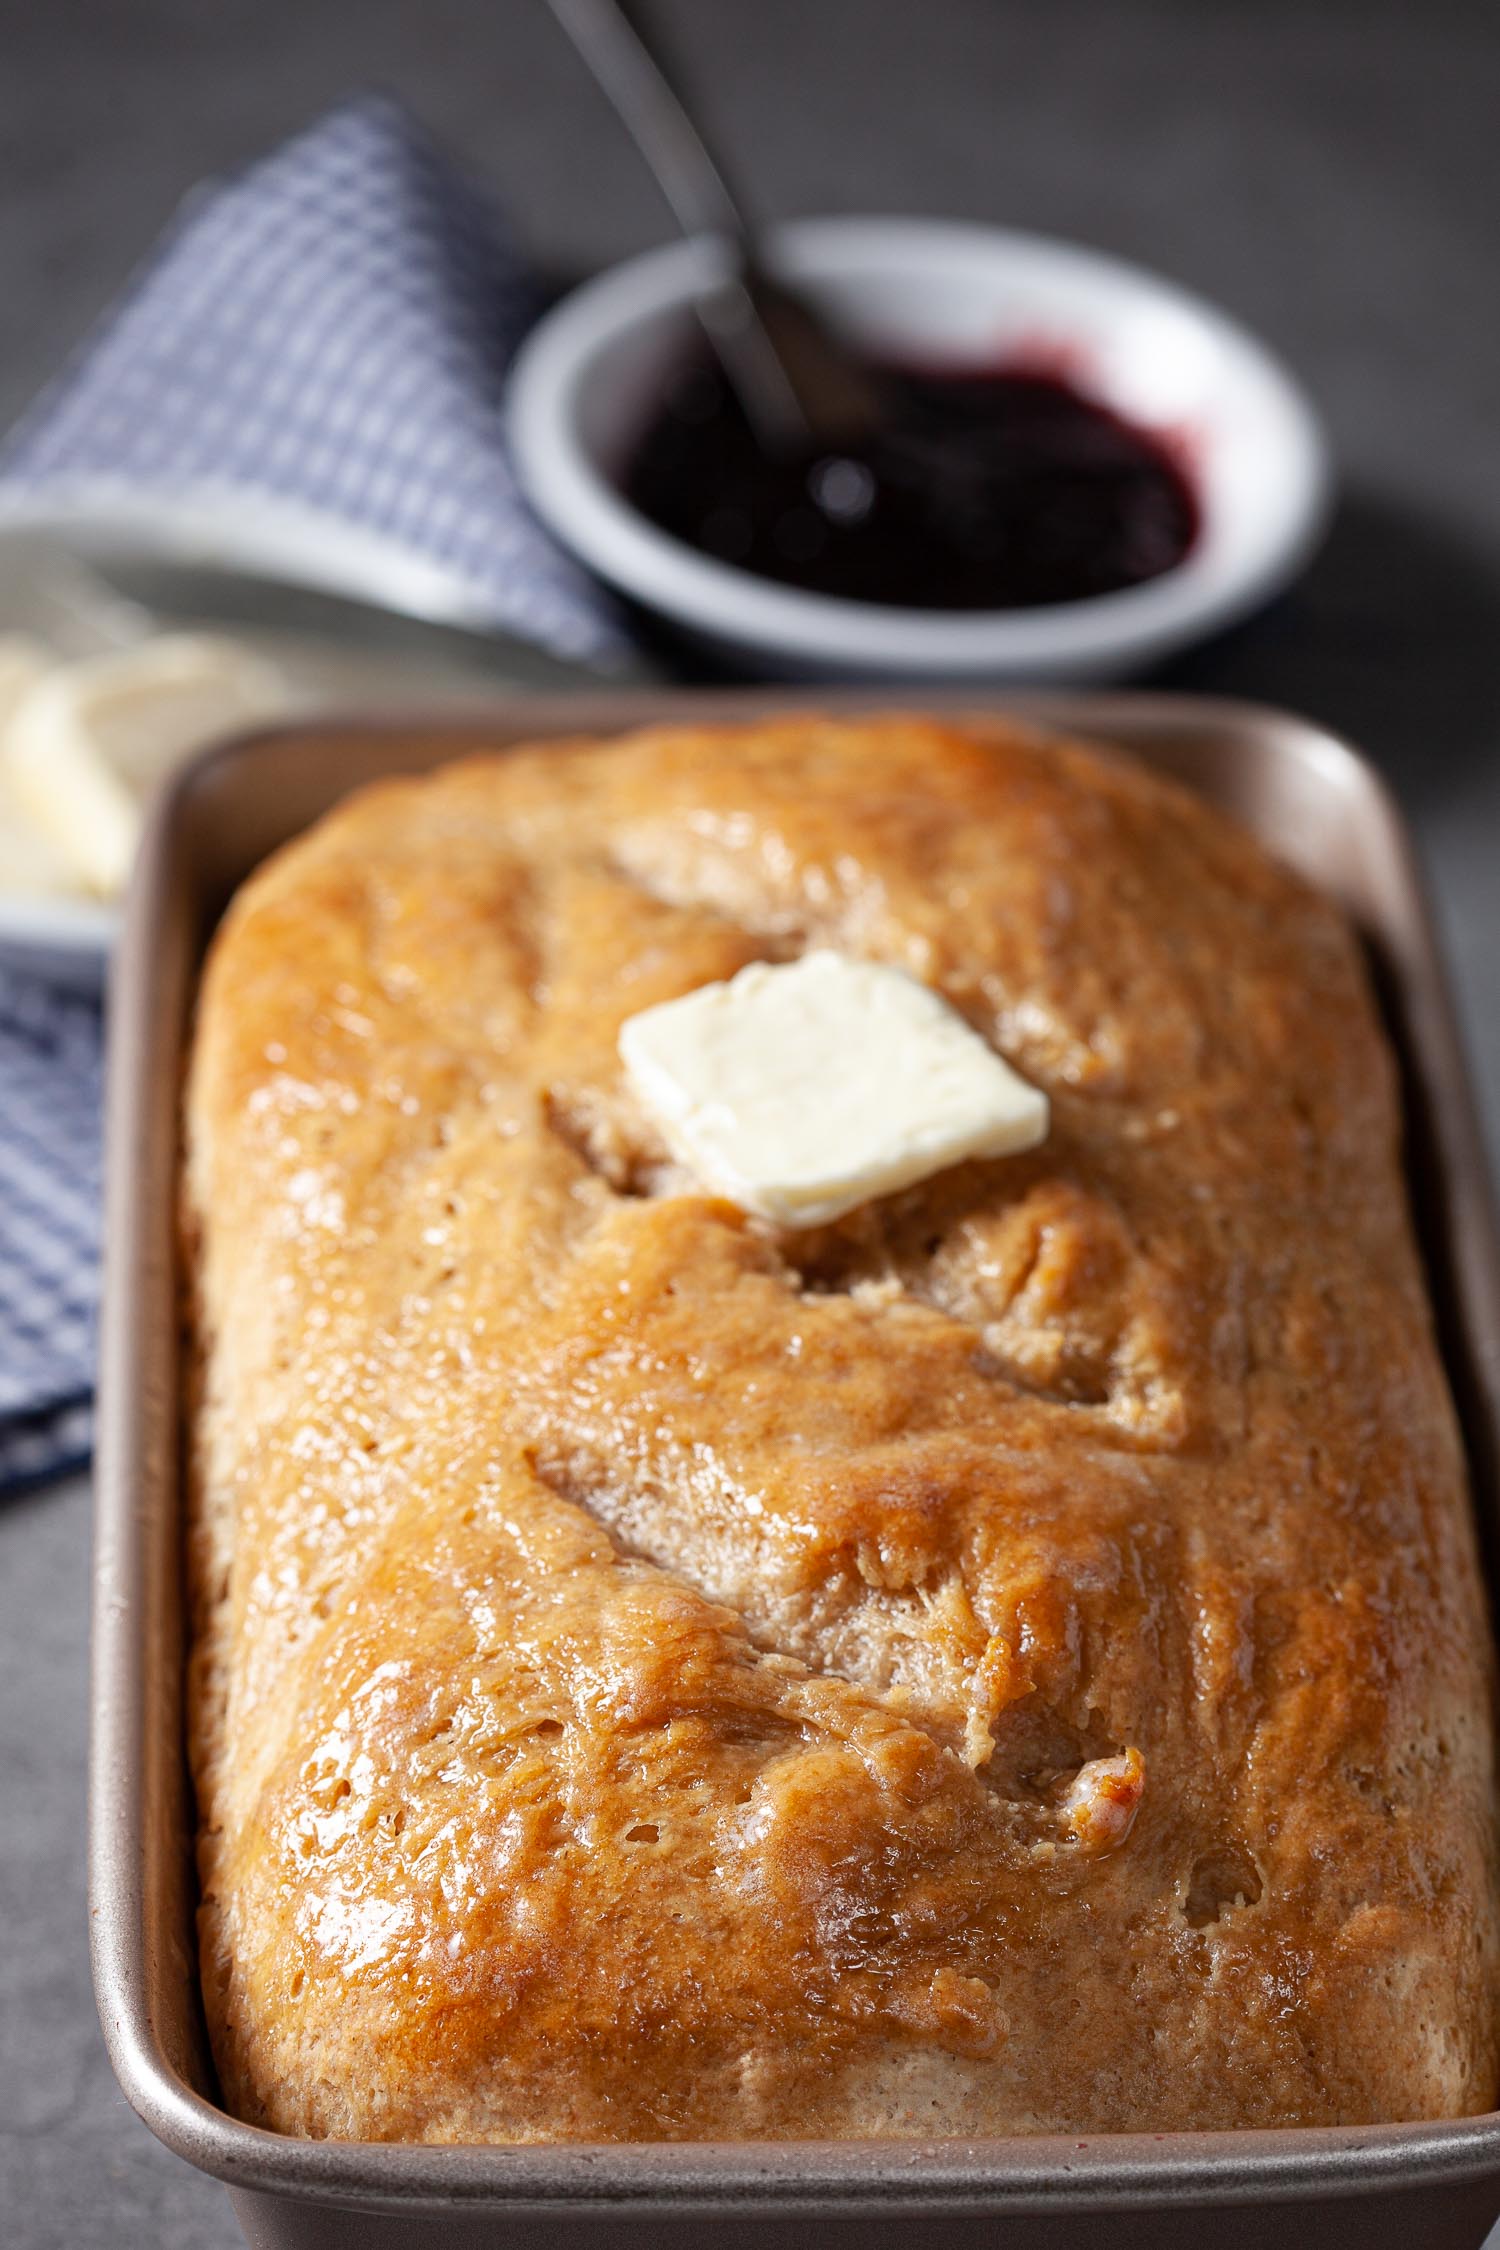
(1330, 172)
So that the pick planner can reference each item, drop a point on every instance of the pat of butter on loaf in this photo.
(799, 1090)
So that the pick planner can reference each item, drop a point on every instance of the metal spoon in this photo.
(801, 389)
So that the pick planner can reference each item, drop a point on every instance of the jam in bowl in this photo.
(982, 489)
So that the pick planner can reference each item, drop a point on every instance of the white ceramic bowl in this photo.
(583, 384)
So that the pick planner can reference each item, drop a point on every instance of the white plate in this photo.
(230, 529)
(48, 591)
(63, 940)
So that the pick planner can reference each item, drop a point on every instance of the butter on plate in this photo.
(799, 1090)
(82, 744)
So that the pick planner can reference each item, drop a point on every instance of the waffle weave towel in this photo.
(49, 1217)
(326, 334)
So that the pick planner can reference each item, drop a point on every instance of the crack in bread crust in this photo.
(1014, 1657)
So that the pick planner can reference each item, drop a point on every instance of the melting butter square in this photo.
(799, 1090)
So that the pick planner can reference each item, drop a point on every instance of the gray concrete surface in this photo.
(1330, 172)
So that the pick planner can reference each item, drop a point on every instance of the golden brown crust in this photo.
(656, 1676)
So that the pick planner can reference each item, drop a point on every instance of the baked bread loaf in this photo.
(1012, 1659)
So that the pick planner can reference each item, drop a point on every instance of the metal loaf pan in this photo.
(1315, 803)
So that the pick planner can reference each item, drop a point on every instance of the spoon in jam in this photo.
(984, 487)
(802, 392)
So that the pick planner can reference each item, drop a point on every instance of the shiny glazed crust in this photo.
(1011, 1660)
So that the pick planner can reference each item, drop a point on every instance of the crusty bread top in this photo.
(643, 1659)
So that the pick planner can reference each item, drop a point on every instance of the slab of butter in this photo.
(30, 864)
(86, 741)
(800, 1090)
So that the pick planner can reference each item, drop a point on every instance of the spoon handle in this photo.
(632, 77)
(631, 74)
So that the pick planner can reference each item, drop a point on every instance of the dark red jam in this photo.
(986, 489)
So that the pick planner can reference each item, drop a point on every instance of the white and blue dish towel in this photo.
(329, 330)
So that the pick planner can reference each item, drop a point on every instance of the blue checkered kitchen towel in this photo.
(49, 1220)
(328, 332)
